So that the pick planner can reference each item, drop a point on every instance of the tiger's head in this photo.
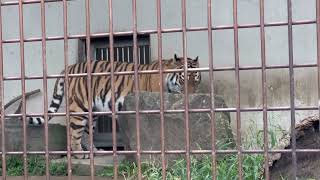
(175, 80)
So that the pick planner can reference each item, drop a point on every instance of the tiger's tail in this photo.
(55, 102)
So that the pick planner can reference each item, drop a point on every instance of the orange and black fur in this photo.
(101, 90)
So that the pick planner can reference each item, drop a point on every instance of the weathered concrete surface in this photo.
(307, 137)
(35, 137)
(174, 123)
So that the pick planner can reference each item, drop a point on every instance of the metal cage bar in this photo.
(114, 123)
(136, 83)
(212, 94)
(3, 138)
(66, 92)
(292, 93)
(186, 98)
(264, 91)
(45, 86)
(237, 77)
(162, 132)
(89, 78)
(23, 89)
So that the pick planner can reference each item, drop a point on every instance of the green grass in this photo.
(36, 166)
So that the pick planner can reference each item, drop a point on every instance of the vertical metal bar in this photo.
(139, 55)
(66, 85)
(136, 83)
(212, 96)
(237, 76)
(45, 87)
(318, 51)
(89, 76)
(128, 54)
(186, 97)
(144, 54)
(23, 88)
(117, 53)
(162, 138)
(114, 122)
(122, 52)
(107, 54)
(292, 93)
(102, 57)
(3, 138)
(264, 90)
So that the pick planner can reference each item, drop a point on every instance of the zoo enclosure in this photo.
(159, 31)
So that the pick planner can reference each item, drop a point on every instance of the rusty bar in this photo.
(3, 138)
(114, 122)
(162, 132)
(149, 152)
(264, 91)
(11, 3)
(171, 30)
(45, 86)
(170, 111)
(23, 89)
(89, 71)
(202, 69)
(66, 85)
(186, 99)
(292, 93)
(318, 51)
(237, 77)
(212, 95)
(284, 108)
(136, 83)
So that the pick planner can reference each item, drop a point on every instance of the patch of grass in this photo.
(36, 166)
(201, 168)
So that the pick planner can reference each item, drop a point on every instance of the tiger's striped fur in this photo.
(101, 90)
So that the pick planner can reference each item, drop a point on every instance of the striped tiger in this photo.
(101, 91)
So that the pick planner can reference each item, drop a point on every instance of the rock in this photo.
(174, 123)
(307, 137)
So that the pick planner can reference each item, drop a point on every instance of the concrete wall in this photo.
(249, 46)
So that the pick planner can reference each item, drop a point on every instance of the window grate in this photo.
(124, 54)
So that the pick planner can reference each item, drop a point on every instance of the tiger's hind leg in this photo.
(77, 128)
(85, 140)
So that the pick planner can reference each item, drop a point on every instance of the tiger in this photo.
(173, 82)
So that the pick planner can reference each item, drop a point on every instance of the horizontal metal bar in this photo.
(125, 152)
(172, 30)
(203, 69)
(207, 110)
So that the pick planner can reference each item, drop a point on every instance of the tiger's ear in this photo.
(177, 59)
(196, 59)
